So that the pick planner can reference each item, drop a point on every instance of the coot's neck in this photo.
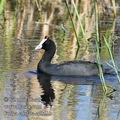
(48, 54)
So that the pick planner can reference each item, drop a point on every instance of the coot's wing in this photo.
(73, 68)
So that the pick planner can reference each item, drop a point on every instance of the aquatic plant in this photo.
(114, 7)
(2, 4)
(111, 56)
(71, 19)
(96, 12)
(97, 40)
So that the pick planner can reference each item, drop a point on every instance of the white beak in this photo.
(38, 47)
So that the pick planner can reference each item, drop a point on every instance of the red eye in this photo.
(46, 37)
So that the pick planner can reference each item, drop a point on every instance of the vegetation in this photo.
(77, 19)
(97, 39)
(82, 29)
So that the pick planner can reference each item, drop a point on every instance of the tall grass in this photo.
(81, 30)
(2, 4)
(108, 45)
(114, 7)
(101, 111)
(79, 19)
(101, 75)
(112, 58)
(98, 59)
(78, 43)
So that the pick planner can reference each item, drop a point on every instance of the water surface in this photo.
(30, 96)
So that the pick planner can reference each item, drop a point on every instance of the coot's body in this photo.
(69, 68)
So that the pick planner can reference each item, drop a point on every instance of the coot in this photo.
(68, 68)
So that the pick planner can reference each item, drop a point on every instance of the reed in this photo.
(101, 75)
(114, 7)
(2, 4)
(71, 19)
(79, 19)
(112, 58)
(107, 39)
(80, 32)
(102, 108)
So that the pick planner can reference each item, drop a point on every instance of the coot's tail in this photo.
(110, 71)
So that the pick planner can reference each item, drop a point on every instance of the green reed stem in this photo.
(2, 4)
(81, 26)
(78, 43)
(98, 50)
(111, 55)
(114, 7)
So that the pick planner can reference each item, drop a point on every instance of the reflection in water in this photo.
(32, 99)
(102, 109)
(48, 92)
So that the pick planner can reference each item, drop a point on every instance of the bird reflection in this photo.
(48, 93)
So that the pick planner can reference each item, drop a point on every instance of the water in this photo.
(27, 96)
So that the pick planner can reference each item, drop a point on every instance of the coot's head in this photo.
(46, 44)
